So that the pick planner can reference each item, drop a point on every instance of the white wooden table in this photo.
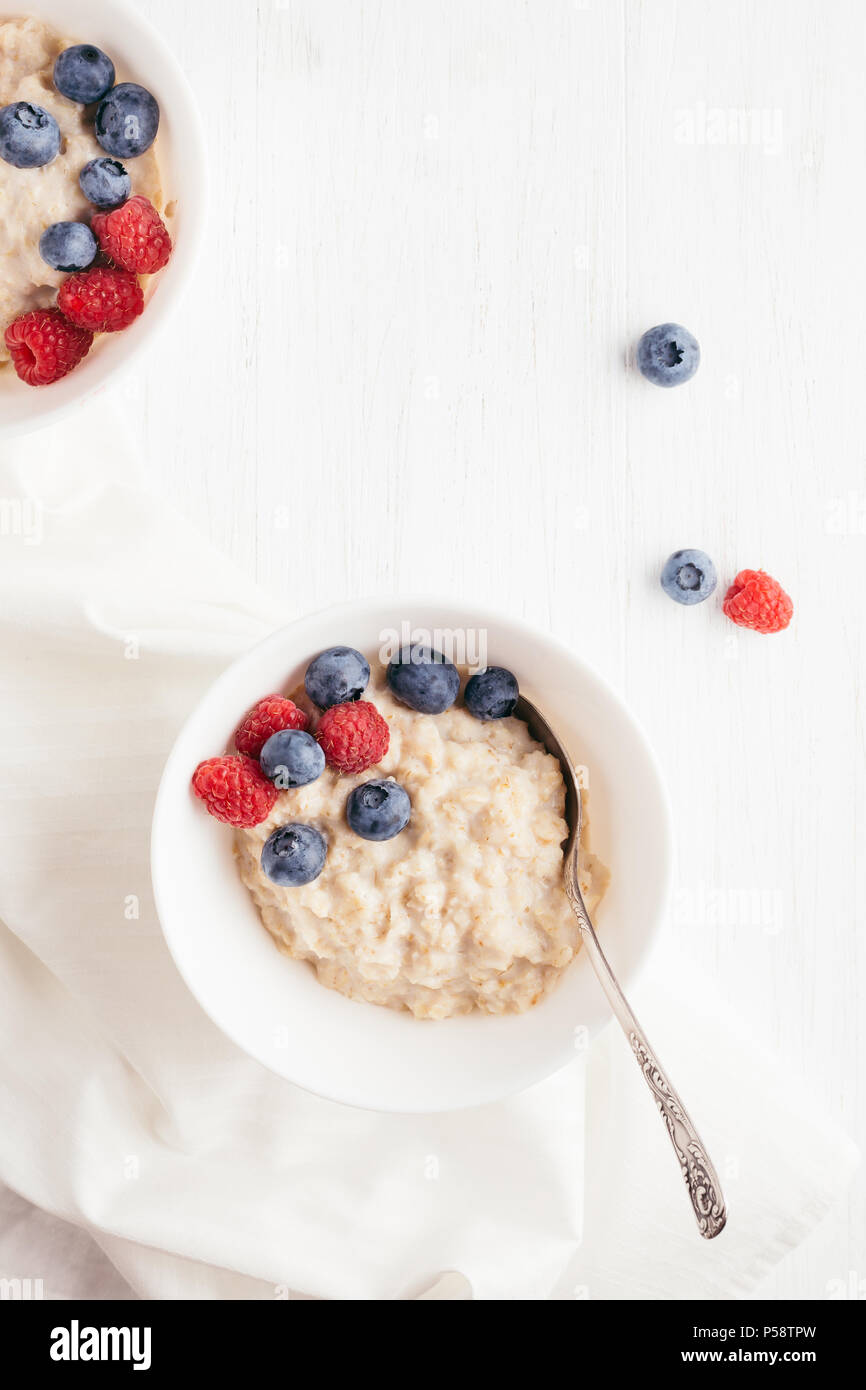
(436, 229)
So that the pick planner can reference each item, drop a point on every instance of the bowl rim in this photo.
(628, 974)
(187, 254)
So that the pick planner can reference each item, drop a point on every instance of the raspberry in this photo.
(103, 300)
(353, 736)
(269, 716)
(44, 346)
(234, 789)
(755, 600)
(134, 236)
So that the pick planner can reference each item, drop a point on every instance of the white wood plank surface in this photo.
(436, 229)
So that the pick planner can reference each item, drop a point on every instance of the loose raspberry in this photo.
(134, 236)
(755, 600)
(44, 346)
(269, 716)
(353, 736)
(103, 299)
(235, 790)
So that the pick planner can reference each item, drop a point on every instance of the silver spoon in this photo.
(705, 1192)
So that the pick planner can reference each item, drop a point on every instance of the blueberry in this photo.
(294, 854)
(378, 810)
(421, 678)
(336, 676)
(127, 121)
(492, 694)
(668, 355)
(688, 576)
(83, 73)
(29, 135)
(292, 758)
(68, 246)
(105, 183)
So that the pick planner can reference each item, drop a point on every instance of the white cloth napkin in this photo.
(124, 1110)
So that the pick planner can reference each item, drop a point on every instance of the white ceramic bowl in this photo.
(138, 52)
(359, 1053)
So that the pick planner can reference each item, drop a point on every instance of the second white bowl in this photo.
(138, 52)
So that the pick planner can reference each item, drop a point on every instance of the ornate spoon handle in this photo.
(705, 1192)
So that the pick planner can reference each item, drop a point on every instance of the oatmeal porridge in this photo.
(464, 908)
(32, 199)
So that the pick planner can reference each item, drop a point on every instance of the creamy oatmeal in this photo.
(33, 199)
(465, 908)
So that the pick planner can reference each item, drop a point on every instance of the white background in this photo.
(436, 230)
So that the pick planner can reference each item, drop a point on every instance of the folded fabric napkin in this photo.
(124, 1110)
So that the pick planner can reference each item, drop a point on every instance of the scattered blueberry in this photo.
(491, 694)
(293, 855)
(688, 576)
(68, 246)
(83, 73)
(127, 121)
(337, 676)
(421, 678)
(105, 183)
(668, 355)
(378, 810)
(292, 758)
(29, 135)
